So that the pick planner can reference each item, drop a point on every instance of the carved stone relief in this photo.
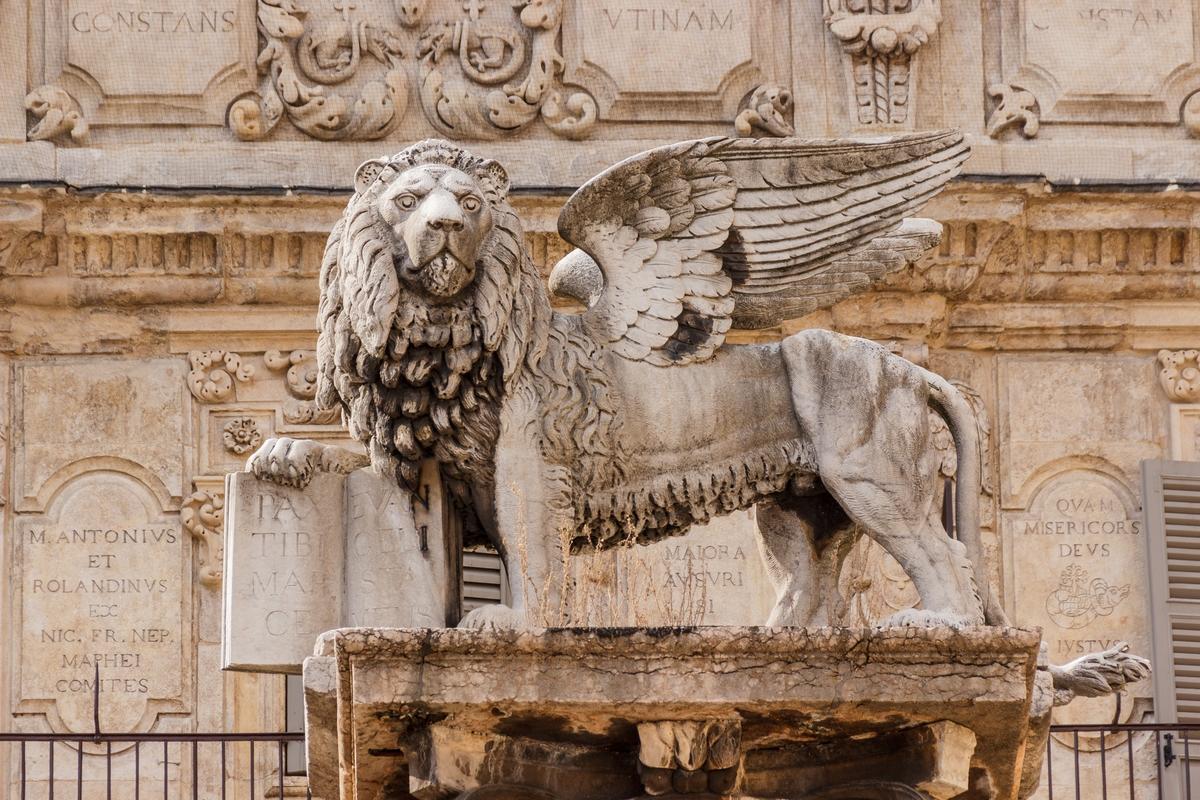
(606, 45)
(767, 112)
(103, 564)
(881, 38)
(1013, 106)
(478, 70)
(240, 400)
(57, 114)
(1179, 375)
(1076, 563)
(203, 516)
(193, 59)
(1083, 62)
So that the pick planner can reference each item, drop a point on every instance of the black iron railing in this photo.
(1115, 762)
(60, 766)
(1083, 762)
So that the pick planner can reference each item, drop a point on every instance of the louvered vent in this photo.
(1171, 495)
(483, 579)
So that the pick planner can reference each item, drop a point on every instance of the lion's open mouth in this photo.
(444, 275)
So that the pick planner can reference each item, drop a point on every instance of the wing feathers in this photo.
(694, 237)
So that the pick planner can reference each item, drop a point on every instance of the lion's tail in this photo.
(961, 421)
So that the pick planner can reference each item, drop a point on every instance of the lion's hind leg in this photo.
(803, 542)
(866, 413)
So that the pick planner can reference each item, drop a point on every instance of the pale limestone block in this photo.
(953, 747)
(344, 550)
(695, 701)
(118, 408)
(284, 567)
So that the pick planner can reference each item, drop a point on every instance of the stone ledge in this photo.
(463, 698)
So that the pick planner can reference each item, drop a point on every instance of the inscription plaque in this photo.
(168, 47)
(713, 575)
(1078, 568)
(638, 58)
(1131, 60)
(104, 588)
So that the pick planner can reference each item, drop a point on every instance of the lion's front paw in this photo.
(289, 462)
(493, 618)
(921, 618)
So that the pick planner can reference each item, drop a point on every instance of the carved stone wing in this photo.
(693, 238)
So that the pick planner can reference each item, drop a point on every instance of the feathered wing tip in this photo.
(693, 237)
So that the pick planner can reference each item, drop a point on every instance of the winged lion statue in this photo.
(634, 420)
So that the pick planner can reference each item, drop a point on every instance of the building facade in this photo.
(169, 174)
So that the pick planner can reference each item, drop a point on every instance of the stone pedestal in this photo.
(610, 714)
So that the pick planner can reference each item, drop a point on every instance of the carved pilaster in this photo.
(882, 38)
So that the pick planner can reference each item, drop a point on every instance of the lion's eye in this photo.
(470, 203)
(406, 202)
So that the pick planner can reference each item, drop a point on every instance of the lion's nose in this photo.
(445, 223)
(443, 213)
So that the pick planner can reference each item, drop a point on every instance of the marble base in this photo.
(610, 714)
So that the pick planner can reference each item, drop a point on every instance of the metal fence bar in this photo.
(1049, 769)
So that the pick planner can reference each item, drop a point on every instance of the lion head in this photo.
(439, 221)
(429, 307)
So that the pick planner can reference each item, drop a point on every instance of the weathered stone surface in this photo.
(436, 692)
(616, 426)
(346, 550)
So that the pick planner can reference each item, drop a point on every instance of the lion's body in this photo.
(692, 449)
(438, 341)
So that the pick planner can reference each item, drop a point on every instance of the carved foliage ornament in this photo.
(482, 69)
(881, 38)
(1180, 374)
(203, 516)
(1015, 106)
(241, 435)
(214, 373)
(767, 112)
(57, 114)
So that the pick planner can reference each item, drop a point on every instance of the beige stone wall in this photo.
(164, 203)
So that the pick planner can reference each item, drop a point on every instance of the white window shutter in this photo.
(1171, 498)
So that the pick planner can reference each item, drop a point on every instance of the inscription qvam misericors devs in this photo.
(1077, 557)
(104, 587)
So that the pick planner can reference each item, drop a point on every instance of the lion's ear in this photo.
(496, 178)
(367, 172)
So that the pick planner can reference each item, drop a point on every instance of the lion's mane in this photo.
(420, 380)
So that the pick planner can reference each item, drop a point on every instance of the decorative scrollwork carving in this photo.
(214, 374)
(305, 412)
(881, 37)
(1016, 106)
(1180, 374)
(301, 366)
(203, 516)
(57, 114)
(469, 66)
